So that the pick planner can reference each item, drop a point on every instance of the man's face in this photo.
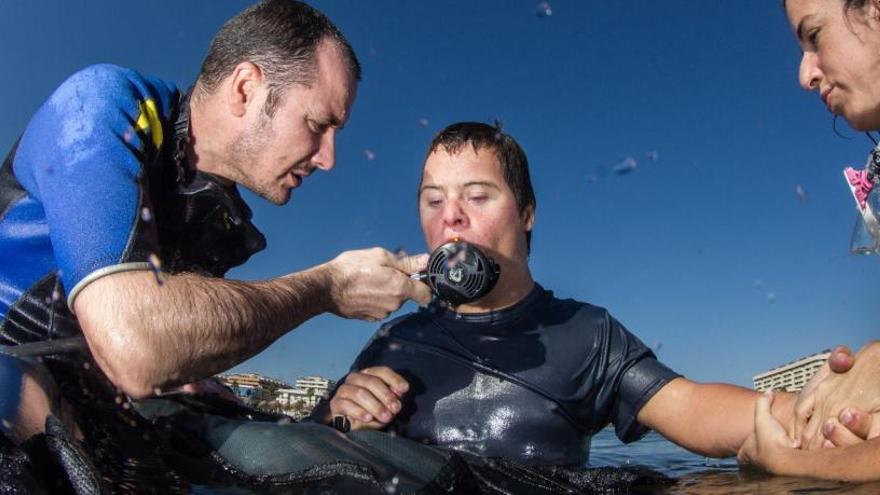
(464, 195)
(273, 155)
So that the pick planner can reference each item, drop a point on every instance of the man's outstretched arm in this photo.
(147, 336)
(712, 419)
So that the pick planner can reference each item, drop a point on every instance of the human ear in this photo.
(528, 218)
(246, 78)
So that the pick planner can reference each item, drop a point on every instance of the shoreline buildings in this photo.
(272, 395)
(791, 377)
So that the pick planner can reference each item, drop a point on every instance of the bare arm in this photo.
(146, 336)
(712, 419)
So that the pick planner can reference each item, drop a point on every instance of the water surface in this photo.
(701, 475)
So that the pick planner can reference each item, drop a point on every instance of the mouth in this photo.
(826, 97)
(297, 180)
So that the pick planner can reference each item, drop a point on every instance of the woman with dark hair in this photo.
(840, 40)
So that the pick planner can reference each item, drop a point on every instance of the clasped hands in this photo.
(839, 407)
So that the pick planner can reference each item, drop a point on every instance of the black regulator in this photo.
(460, 273)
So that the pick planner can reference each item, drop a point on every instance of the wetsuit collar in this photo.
(496, 317)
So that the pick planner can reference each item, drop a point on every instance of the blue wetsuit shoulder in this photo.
(82, 161)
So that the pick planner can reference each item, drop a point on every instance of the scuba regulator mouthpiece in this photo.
(459, 273)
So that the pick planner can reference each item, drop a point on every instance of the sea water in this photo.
(701, 475)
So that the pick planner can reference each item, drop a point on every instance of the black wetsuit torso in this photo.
(532, 382)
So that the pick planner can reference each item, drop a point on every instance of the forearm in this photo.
(712, 419)
(147, 336)
(860, 462)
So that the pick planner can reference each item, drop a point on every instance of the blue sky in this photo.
(704, 250)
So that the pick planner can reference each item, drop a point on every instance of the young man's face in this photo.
(273, 155)
(464, 195)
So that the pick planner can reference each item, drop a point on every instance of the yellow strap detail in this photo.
(148, 121)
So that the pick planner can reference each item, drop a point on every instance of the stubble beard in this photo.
(242, 151)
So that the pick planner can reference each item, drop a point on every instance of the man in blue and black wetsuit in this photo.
(520, 373)
(119, 209)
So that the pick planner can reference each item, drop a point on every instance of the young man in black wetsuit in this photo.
(519, 373)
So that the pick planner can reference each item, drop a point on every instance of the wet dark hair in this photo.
(280, 37)
(848, 5)
(510, 155)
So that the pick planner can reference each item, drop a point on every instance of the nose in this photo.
(454, 216)
(809, 73)
(325, 157)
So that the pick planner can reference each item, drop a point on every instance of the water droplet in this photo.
(126, 405)
(391, 486)
(801, 193)
(423, 122)
(370, 154)
(653, 155)
(771, 297)
(628, 165)
(87, 365)
(544, 10)
(394, 346)
(372, 52)
(156, 266)
(157, 391)
(146, 214)
(6, 424)
(118, 400)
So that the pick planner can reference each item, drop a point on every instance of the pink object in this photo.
(859, 184)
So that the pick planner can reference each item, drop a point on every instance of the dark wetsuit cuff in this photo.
(640, 382)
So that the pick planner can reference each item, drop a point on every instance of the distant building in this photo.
(791, 377)
(253, 387)
(318, 383)
(308, 392)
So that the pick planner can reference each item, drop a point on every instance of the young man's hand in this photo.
(769, 441)
(370, 398)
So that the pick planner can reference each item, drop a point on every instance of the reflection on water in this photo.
(701, 475)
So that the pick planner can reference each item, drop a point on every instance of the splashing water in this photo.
(801, 193)
(391, 485)
(544, 10)
(156, 266)
(628, 165)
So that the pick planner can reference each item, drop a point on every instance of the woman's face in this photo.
(841, 59)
